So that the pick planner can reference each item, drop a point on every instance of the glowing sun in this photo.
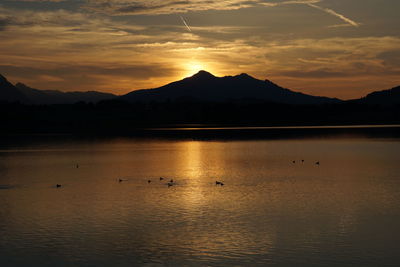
(193, 68)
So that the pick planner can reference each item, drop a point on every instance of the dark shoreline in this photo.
(223, 133)
(120, 118)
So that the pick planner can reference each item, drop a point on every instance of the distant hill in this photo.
(27, 95)
(201, 87)
(385, 97)
(206, 87)
(8, 92)
(37, 96)
(202, 99)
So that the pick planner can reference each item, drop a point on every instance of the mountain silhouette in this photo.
(385, 97)
(201, 87)
(27, 95)
(202, 99)
(44, 97)
(205, 87)
(9, 93)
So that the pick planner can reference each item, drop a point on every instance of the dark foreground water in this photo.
(270, 212)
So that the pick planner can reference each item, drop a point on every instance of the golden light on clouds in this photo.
(193, 67)
(77, 47)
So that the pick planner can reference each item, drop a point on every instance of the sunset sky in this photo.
(337, 48)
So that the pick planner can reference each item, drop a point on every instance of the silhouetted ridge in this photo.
(37, 96)
(2, 79)
(245, 76)
(9, 92)
(26, 95)
(202, 99)
(385, 97)
(270, 83)
(203, 74)
(201, 87)
(205, 87)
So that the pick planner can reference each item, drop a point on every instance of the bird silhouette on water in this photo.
(148, 181)
(161, 178)
(317, 163)
(219, 183)
(58, 185)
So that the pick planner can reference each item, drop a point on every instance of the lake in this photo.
(277, 207)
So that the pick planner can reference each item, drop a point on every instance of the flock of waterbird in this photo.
(171, 182)
(302, 161)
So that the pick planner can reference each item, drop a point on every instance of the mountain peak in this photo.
(9, 92)
(20, 85)
(3, 79)
(205, 87)
(245, 76)
(203, 74)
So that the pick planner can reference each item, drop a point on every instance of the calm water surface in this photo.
(271, 211)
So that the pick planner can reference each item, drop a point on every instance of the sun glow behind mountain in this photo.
(118, 46)
(193, 68)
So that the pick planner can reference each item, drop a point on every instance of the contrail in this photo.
(332, 12)
(184, 22)
(311, 3)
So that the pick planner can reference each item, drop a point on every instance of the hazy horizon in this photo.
(139, 89)
(343, 49)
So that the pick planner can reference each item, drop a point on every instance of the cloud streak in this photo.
(157, 7)
(73, 49)
(312, 3)
(334, 13)
(184, 22)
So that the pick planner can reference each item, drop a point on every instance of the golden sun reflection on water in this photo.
(201, 197)
(269, 211)
(194, 172)
(193, 158)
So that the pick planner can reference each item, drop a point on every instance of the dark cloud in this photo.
(391, 58)
(124, 7)
(29, 18)
(132, 71)
(104, 42)
(4, 22)
(136, 8)
(319, 73)
(327, 73)
(85, 77)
